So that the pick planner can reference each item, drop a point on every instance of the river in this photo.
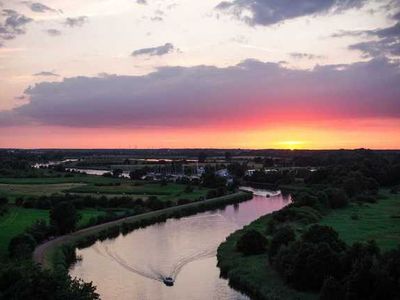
(133, 266)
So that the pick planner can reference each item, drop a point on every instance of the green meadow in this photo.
(376, 221)
(17, 219)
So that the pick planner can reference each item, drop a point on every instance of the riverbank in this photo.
(50, 254)
(252, 274)
(355, 223)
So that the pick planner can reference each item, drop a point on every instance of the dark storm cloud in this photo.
(76, 22)
(53, 32)
(12, 24)
(207, 95)
(267, 12)
(155, 51)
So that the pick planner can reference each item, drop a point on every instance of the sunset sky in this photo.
(321, 74)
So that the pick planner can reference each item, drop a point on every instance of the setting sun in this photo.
(292, 145)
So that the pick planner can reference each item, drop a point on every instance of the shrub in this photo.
(332, 289)
(337, 198)
(283, 236)
(21, 246)
(252, 242)
(323, 234)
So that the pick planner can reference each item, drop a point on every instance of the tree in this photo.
(3, 200)
(283, 236)
(311, 264)
(228, 156)
(252, 242)
(21, 246)
(210, 180)
(28, 281)
(117, 172)
(202, 157)
(324, 234)
(137, 174)
(64, 217)
(332, 289)
(337, 198)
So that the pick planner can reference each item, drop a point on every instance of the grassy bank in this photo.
(254, 275)
(51, 255)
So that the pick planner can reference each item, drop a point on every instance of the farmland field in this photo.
(16, 220)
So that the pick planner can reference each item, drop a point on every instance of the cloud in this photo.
(251, 91)
(299, 55)
(46, 73)
(396, 16)
(53, 32)
(268, 12)
(156, 18)
(12, 24)
(76, 22)
(344, 33)
(141, 2)
(155, 51)
(387, 44)
(38, 7)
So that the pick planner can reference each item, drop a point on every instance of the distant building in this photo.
(222, 173)
(249, 172)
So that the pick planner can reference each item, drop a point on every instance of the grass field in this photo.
(170, 191)
(53, 180)
(94, 185)
(18, 219)
(379, 221)
(36, 189)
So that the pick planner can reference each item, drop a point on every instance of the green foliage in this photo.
(282, 237)
(332, 289)
(210, 180)
(252, 242)
(64, 217)
(323, 234)
(28, 281)
(21, 246)
(337, 198)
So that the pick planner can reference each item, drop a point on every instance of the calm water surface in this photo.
(132, 266)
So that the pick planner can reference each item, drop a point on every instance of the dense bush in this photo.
(3, 205)
(320, 261)
(324, 234)
(252, 242)
(337, 198)
(64, 217)
(21, 246)
(282, 237)
(28, 281)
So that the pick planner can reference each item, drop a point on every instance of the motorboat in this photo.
(168, 281)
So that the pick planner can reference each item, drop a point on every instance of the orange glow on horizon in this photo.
(374, 134)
